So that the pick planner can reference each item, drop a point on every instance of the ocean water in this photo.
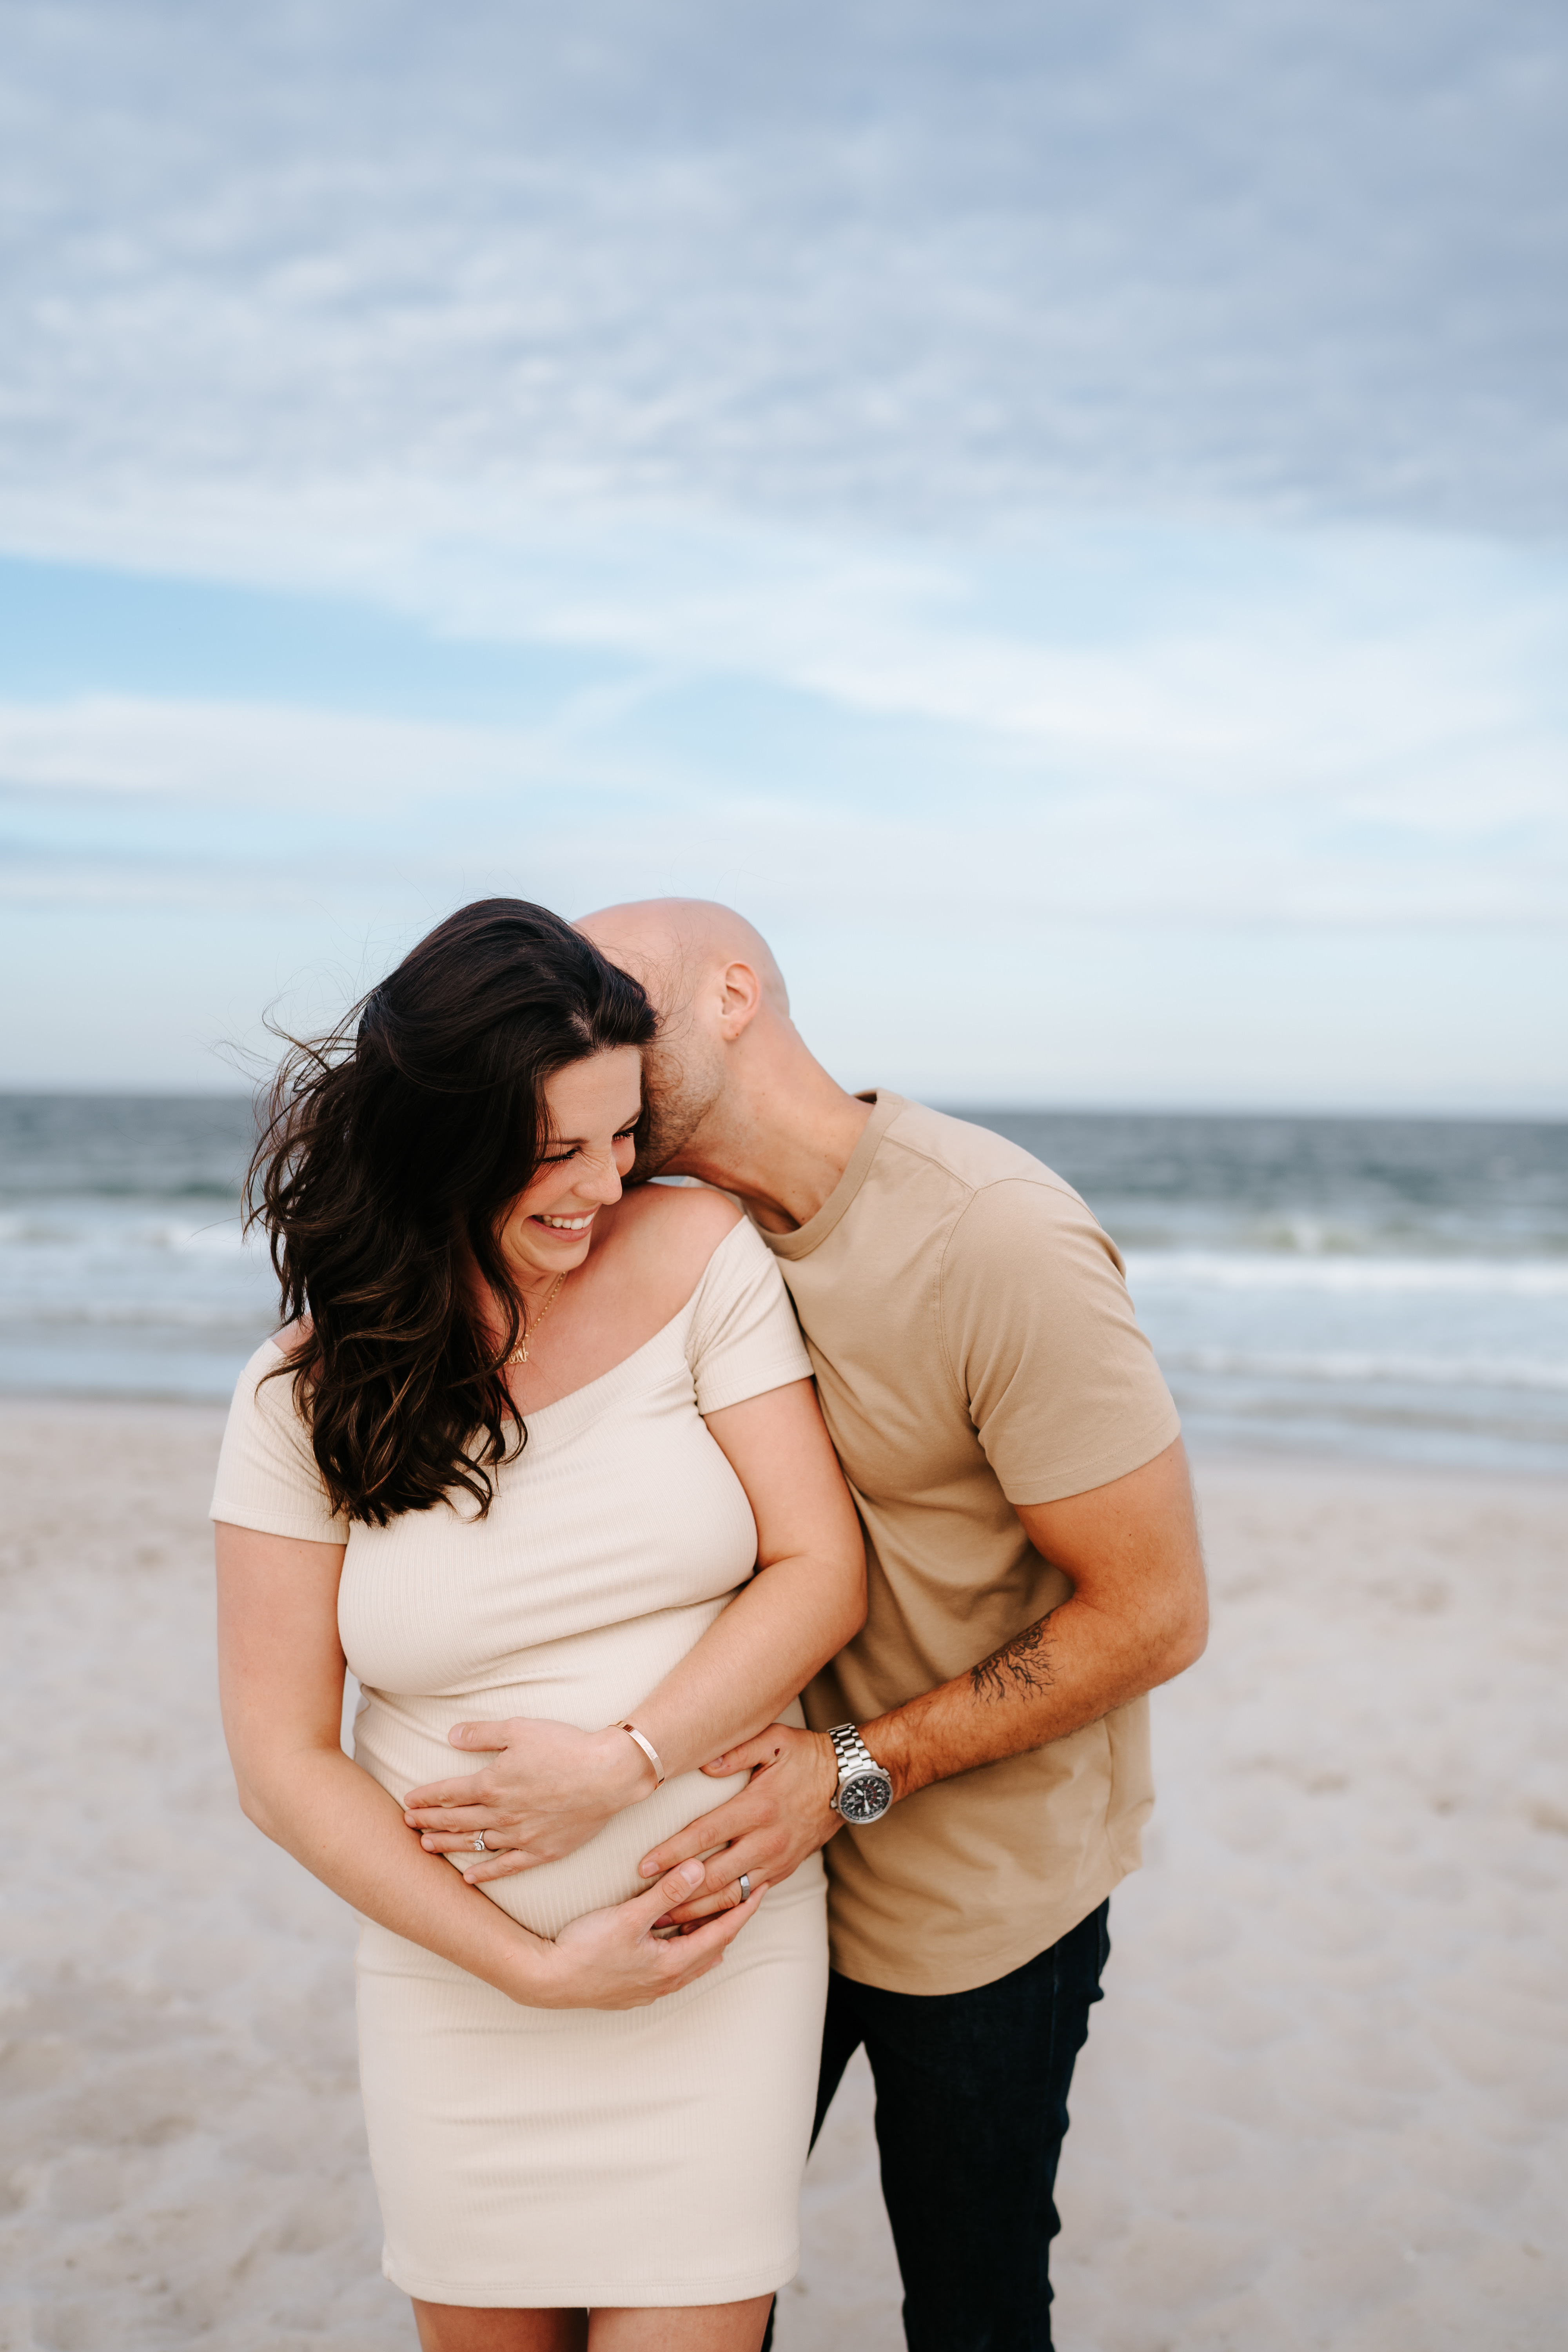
(121, 1268)
(1393, 1287)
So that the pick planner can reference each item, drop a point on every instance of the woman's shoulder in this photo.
(293, 1338)
(268, 1387)
(686, 1221)
(676, 1240)
(265, 1386)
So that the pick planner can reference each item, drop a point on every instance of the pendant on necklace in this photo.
(520, 1353)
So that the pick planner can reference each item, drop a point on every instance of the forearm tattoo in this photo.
(1020, 1668)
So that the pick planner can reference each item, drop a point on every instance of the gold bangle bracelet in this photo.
(649, 1750)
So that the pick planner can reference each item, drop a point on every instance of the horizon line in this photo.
(1501, 1114)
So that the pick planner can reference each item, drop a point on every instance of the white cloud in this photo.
(1321, 757)
(1409, 677)
(848, 261)
(258, 755)
(791, 354)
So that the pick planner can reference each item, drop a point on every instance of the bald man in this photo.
(977, 1766)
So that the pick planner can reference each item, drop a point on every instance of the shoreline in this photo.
(1220, 1456)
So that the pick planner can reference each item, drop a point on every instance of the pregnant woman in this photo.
(533, 1450)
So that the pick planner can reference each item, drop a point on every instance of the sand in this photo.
(1325, 2103)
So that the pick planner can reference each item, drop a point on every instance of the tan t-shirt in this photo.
(974, 1346)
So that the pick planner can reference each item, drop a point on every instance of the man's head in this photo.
(722, 1004)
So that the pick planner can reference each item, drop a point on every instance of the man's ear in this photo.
(740, 1000)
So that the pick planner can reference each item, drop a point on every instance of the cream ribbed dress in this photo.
(536, 2158)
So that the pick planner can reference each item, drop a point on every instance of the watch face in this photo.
(865, 1800)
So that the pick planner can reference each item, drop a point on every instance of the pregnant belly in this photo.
(590, 1680)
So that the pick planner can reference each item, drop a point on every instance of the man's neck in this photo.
(782, 1152)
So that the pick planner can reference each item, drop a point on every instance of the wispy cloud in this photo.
(1055, 509)
(1349, 733)
(855, 261)
(262, 756)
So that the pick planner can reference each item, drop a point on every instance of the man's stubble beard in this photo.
(678, 1095)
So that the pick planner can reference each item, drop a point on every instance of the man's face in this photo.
(683, 1072)
(678, 1093)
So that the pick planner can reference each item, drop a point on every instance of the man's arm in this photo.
(1138, 1615)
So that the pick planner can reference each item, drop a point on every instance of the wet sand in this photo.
(1324, 2103)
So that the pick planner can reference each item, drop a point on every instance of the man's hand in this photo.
(782, 1815)
(548, 1788)
(614, 1960)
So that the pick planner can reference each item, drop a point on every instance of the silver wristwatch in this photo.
(864, 1792)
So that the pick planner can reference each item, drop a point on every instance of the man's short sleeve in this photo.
(1061, 1384)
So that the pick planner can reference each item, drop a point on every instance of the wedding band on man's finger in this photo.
(745, 1886)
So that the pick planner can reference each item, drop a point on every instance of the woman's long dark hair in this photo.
(389, 1151)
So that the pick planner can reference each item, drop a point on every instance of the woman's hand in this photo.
(548, 1788)
(612, 1958)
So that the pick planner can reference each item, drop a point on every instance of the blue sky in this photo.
(1066, 527)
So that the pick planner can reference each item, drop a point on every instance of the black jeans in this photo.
(971, 2106)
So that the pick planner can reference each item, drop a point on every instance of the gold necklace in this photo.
(520, 1354)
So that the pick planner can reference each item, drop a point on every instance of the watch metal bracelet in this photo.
(851, 1750)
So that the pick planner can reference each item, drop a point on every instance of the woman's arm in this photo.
(281, 1671)
(550, 1787)
(782, 1627)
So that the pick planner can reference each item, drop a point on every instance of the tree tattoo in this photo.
(1021, 1667)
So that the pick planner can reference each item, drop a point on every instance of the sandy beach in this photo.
(1324, 2105)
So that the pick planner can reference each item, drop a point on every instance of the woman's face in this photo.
(593, 1106)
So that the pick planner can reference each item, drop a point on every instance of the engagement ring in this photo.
(480, 1845)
